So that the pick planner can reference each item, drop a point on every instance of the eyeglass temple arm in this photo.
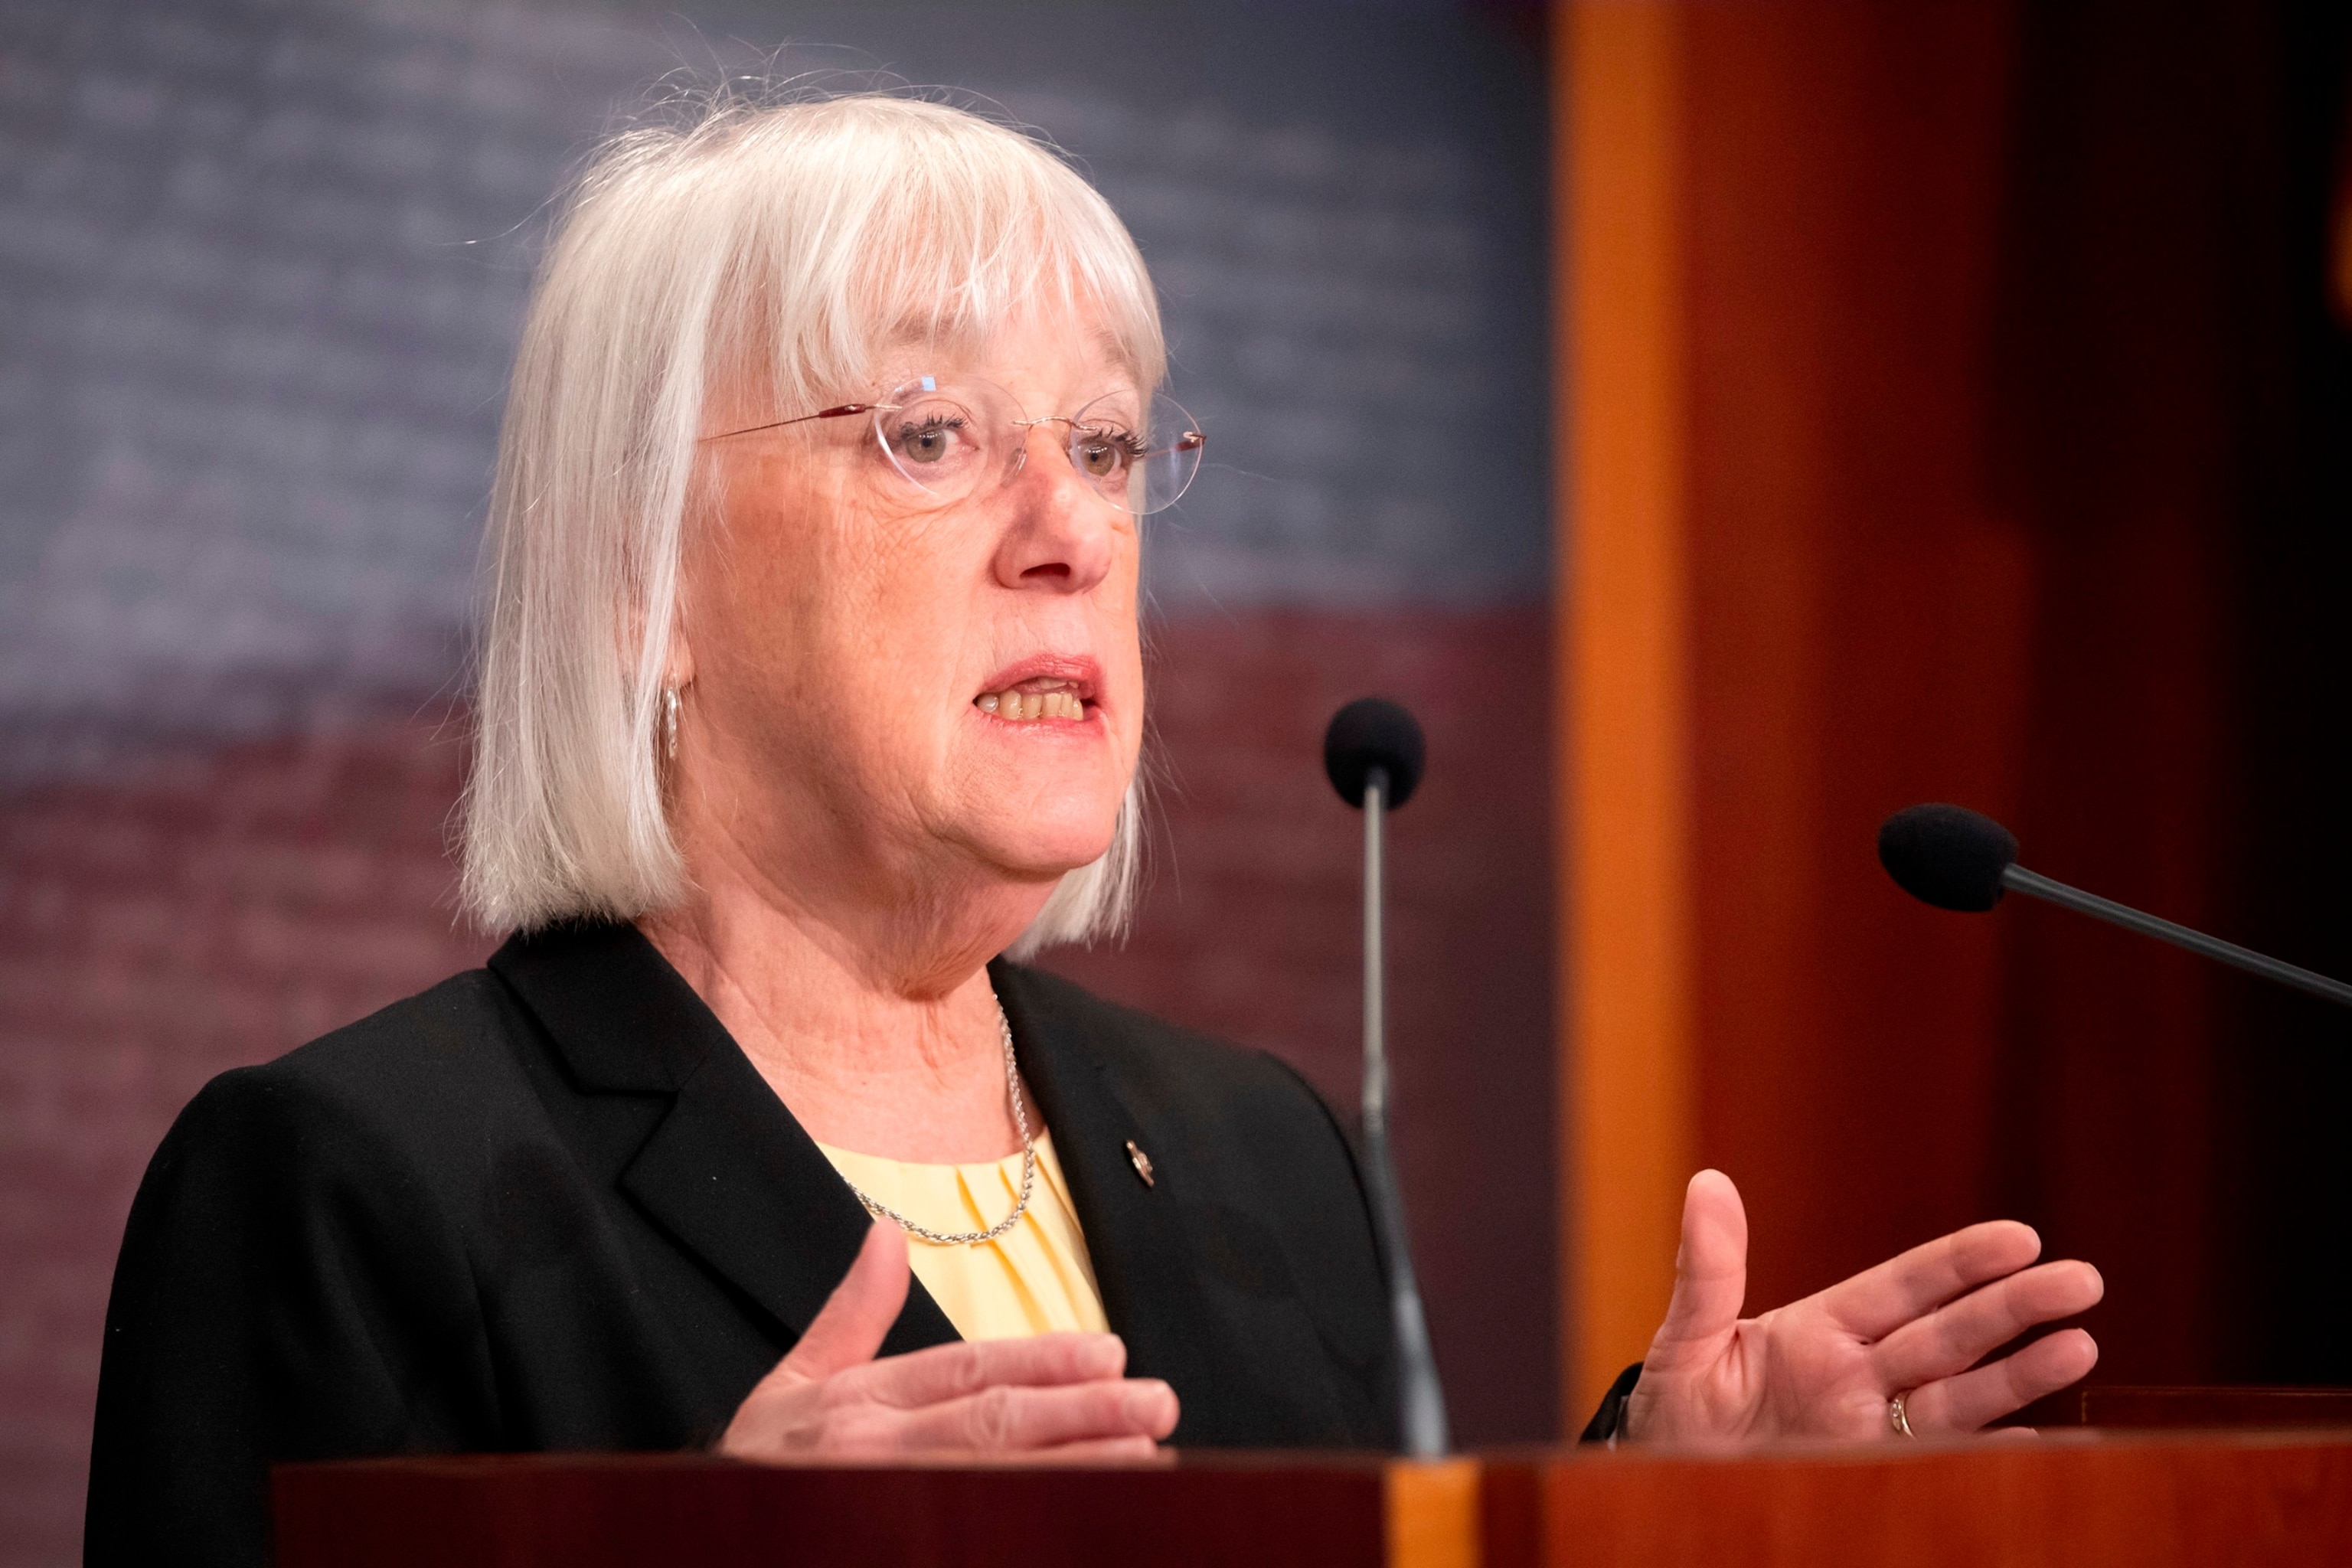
(841, 411)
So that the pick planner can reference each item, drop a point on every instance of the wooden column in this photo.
(1786, 610)
(1929, 431)
(1624, 681)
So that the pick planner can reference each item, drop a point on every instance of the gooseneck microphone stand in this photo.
(1420, 1397)
(1373, 753)
(1956, 859)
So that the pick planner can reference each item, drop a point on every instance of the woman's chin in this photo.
(1037, 850)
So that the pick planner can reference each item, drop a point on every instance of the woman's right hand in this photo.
(1061, 1395)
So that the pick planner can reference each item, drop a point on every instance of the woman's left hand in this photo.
(1828, 1366)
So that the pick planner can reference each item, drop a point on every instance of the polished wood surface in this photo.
(656, 1510)
(2084, 1499)
(1947, 412)
(1627, 969)
(1785, 609)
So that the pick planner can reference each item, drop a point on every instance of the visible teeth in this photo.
(1024, 706)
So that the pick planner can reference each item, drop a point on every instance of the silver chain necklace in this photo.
(1028, 1167)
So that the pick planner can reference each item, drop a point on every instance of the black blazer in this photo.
(551, 1205)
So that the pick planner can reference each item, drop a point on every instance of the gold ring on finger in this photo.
(1896, 1420)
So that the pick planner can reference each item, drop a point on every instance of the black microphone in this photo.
(1373, 753)
(1956, 859)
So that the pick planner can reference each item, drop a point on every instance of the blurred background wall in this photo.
(261, 267)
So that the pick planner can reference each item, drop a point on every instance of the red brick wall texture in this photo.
(203, 913)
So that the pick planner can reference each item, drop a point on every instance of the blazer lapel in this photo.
(1201, 1290)
(728, 1172)
(1135, 1236)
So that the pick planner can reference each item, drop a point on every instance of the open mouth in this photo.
(1041, 698)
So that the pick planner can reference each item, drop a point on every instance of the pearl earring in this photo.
(669, 722)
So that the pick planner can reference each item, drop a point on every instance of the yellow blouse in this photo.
(1035, 1278)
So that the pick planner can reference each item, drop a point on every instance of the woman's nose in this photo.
(1060, 533)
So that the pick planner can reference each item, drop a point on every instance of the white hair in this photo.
(799, 242)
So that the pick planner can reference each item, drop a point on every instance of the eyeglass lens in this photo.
(948, 436)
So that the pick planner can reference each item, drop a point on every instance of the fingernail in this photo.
(1147, 1401)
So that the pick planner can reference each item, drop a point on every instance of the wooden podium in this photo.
(1310, 1510)
(2089, 1497)
(2077, 1498)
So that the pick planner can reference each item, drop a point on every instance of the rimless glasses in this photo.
(947, 435)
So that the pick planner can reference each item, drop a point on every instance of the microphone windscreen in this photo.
(1373, 732)
(1947, 856)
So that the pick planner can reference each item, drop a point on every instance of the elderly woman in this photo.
(810, 704)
